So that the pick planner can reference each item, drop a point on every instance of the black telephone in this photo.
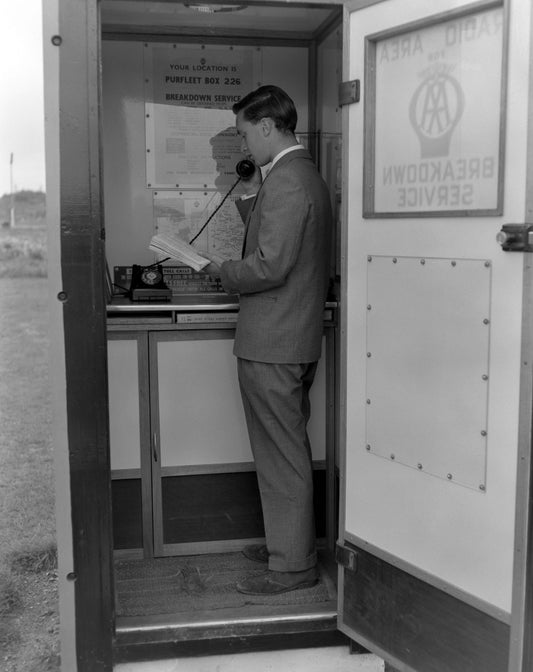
(147, 284)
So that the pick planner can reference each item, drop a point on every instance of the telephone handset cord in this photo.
(215, 211)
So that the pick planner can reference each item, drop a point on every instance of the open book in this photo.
(176, 248)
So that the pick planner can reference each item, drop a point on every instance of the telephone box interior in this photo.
(184, 491)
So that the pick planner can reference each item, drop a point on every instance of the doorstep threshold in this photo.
(159, 637)
(126, 624)
(252, 620)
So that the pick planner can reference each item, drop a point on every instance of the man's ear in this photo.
(267, 124)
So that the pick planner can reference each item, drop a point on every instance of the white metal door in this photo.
(435, 163)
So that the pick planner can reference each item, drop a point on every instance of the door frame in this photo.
(71, 37)
(521, 644)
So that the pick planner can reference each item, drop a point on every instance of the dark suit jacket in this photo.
(282, 278)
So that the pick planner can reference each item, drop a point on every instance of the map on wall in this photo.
(191, 142)
(184, 214)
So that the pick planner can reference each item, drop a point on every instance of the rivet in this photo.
(395, 261)
(419, 466)
(486, 321)
(369, 258)
(393, 456)
(369, 354)
(449, 477)
(368, 402)
(72, 576)
(368, 447)
(369, 307)
(57, 40)
(483, 432)
(482, 487)
(62, 296)
(454, 263)
(422, 261)
(484, 377)
(487, 264)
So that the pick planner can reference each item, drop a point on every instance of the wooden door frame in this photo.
(82, 254)
(521, 640)
(521, 648)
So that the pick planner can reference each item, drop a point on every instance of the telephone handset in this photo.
(245, 169)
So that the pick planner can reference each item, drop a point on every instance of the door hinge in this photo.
(349, 92)
(346, 557)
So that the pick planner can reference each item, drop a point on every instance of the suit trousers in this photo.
(276, 404)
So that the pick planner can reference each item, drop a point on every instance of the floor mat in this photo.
(198, 583)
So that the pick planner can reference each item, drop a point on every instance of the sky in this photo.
(21, 83)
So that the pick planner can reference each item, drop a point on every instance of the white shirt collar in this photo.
(285, 151)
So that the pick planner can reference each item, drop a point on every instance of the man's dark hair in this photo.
(269, 101)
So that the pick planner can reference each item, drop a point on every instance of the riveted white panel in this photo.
(428, 329)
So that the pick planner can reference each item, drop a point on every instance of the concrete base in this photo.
(332, 659)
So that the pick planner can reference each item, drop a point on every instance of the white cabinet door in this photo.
(435, 163)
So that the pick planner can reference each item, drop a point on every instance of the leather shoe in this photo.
(275, 583)
(256, 552)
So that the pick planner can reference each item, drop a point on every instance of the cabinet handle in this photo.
(154, 444)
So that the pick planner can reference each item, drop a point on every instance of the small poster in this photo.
(191, 141)
(434, 147)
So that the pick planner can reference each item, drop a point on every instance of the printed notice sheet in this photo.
(190, 89)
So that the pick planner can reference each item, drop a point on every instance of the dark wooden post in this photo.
(83, 297)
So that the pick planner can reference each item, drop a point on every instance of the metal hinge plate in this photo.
(346, 557)
(349, 92)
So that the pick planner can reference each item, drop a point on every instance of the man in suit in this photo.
(282, 282)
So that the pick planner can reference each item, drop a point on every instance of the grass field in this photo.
(28, 577)
(23, 252)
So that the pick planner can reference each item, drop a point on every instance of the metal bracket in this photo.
(346, 557)
(516, 237)
(349, 92)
